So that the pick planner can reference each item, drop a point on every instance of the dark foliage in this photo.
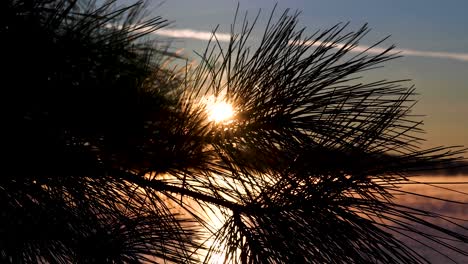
(109, 157)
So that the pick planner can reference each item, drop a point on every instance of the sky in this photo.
(433, 36)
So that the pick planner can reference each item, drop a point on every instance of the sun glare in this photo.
(220, 111)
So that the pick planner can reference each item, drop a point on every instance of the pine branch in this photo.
(110, 156)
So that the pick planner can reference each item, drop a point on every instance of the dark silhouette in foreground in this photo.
(109, 155)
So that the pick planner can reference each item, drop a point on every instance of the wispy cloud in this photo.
(192, 34)
(406, 52)
(223, 37)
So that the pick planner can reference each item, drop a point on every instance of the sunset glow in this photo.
(219, 111)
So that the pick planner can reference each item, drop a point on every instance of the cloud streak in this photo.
(224, 37)
(192, 34)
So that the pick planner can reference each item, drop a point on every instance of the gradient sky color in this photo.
(426, 26)
(421, 26)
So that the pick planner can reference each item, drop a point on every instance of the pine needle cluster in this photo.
(109, 155)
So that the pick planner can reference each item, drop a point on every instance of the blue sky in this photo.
(421, 25)
(426, 26)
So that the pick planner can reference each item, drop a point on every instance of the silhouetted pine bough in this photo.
(109, 155)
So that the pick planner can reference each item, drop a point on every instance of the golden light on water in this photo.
(219, 111)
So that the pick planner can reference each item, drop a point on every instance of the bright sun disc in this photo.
(220, 111)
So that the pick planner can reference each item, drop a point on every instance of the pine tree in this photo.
(110, 155)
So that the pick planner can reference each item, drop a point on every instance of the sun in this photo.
(220, 111)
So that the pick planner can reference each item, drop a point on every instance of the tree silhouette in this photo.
(109, 155)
